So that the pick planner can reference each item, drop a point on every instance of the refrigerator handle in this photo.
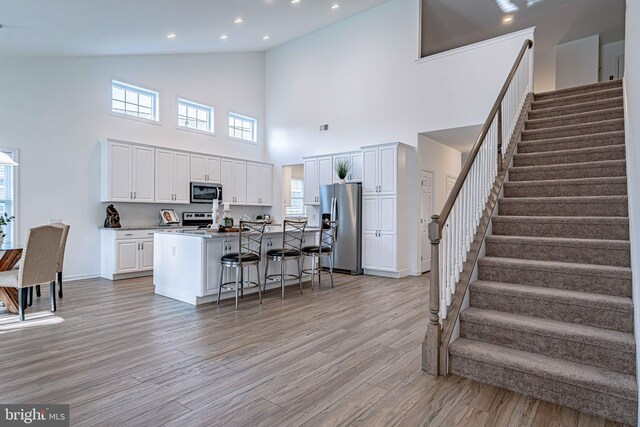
(334, 208)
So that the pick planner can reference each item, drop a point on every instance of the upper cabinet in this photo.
(355, 163)
(205, 168)
(127, 173)
(234, 181)
(259, 183)
(172, 176)
(379, 170)
(318, 171)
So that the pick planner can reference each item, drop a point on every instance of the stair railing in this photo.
(452, 232)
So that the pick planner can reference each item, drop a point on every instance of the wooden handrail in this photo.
(496, 109)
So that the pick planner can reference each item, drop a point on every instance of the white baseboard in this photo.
(76, 277)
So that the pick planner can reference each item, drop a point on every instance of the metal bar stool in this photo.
(292, 239)
(324, 249)
(249, 253)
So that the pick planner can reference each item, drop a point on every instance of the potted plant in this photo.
(5, 219)
(342, 168)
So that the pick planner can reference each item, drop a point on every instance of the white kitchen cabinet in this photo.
(205, 168)
(233, 175)
(172, 177)
(127, 173)
(318, 171)
(265, 184)
(126, 253)
(379, 173)
(379, 232)
(355, 161)
(253, 189)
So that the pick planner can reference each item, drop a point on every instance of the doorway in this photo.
(426, 211)
(293, 191)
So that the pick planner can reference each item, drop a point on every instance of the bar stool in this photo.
(324, 249)
(249, 254)
(292, 239)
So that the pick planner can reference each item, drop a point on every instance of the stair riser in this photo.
(590, 401)
(556, 347)
(569, 280)
(565, 190)
(561, 311)
(604, 230)
(577, 143)
(563, 132)
(568, 172)
(597, 208)
(615, 153)
(579, 90)
(575, 109)
(541, 102)
(567, 121)
(583, 254)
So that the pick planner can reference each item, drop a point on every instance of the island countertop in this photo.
(211, 234)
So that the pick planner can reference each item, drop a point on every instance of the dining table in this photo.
(11, 254)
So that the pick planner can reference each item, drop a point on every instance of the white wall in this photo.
(632, 105)
(577, 62)
(59, 110)
(545, 69)
(609, 54)
(442, 160)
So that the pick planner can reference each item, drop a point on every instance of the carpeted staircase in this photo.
(551, 313)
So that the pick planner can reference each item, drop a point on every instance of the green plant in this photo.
(5, 219)
(342, 168)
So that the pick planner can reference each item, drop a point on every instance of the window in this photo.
(134, 101)
(297, 198)
(195, 116)
(242, 127)
(7, 196)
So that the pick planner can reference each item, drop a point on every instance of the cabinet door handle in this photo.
(131, 195)
(135, 196)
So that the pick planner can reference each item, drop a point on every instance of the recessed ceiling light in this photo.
(295, 1)
(239, 20)
(224, 36)
(171, 36)
(507, 19)
(335, 6)
(266, 37)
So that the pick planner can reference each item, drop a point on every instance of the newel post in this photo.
(431, 342)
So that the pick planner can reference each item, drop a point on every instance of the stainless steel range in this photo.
(196, 219)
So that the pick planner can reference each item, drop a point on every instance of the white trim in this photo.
(109, 98)
(16, 195)
(248, 117)
(201, 132)
(198, 104)
(76, 277)
(484, 43)
(135, 118)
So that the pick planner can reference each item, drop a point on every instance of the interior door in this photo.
(120, 171)
(143, 174)
(426, 211)
(164, 176)
(181, 177)
(451, 182)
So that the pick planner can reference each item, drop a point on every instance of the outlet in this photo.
(324, 128)
(54, 220)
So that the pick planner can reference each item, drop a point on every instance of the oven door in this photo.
(205, 193)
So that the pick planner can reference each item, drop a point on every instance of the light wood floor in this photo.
(120, 356)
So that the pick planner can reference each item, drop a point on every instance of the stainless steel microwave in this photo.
(204, 192)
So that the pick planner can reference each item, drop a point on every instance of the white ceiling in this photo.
(122, 27)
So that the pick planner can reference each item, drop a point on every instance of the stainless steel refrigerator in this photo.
(343, 203)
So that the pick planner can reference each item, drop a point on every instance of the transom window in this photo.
(195, 116)
(296, 208)
(134, 101)
(7, 196)
(242, 127)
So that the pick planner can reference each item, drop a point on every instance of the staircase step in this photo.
(602, 168)
(597, 279)
(616, 186)
(574, 119)
(572, 142)
(579, 90)
(603, 206)
(561, 340)
(586, 251)
(541, 104)
(578, 227)
(565, 110)
(612, 125)
(581, 155)
(600, 311)
(597, 391)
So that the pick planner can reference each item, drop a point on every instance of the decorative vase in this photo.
(341, 181)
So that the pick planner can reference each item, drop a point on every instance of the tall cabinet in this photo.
(386, 220)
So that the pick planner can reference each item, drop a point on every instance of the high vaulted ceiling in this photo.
(120, 27)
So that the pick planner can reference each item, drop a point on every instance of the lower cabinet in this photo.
(126, 253)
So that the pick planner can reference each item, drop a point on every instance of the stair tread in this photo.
(542, 99)
(564, 199)
(598, 86)
(555, 295)
(569, 181)
(558, 266)
(571, 127)
(577, 374)
(576, 138)
(564, 241)
(573, 332)
(593, 104)
(570, 152)
(563, 219)
(581, 165)
(596, 113)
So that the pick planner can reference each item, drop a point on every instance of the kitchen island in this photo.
(187, 262)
